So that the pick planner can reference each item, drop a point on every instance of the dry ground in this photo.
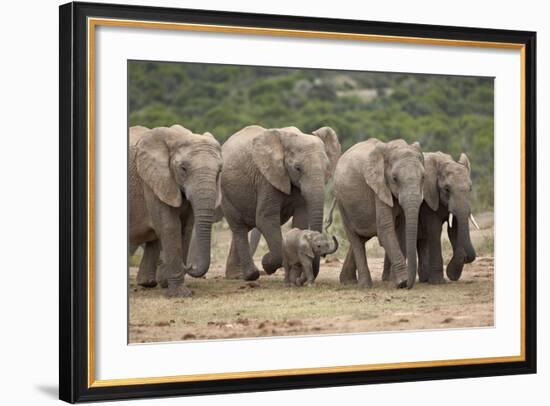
(221, 309)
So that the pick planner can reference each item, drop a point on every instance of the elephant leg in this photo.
(386, 273)
(168, 226)
(295, 275)
(360, 256)
(233, 269)
(357, 246)
(387, 236)
(271, 230)
(249, 271)
(423, 260)
(348, 274)
(307, 276)
(146, 275)
(268, 221)
(287, 268)
(435, 254)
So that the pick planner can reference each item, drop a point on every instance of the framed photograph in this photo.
(258, 202)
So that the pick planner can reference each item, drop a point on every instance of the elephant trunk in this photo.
(463, 250)
(335, 245)
(411, 231)
(315, 200)
(203, 203)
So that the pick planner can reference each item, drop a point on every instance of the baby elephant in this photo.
(299, 249)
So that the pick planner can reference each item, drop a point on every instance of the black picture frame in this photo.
(73, 255)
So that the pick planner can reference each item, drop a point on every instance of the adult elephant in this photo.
(374, 183)
(173, 185)
(270, 175)
(447, 189)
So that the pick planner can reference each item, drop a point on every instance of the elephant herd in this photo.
(181, 182)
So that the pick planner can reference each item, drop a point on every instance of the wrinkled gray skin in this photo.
(270, 175)
(374, 183)
(299, 249)
(173, 185)
(447, 189)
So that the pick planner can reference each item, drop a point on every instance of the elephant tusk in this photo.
(450, 220)
(473, 220)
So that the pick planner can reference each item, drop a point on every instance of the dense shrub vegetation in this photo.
(447, 113)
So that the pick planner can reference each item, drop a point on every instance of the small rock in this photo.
(189, 336)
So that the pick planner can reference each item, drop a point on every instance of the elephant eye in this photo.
(183, 167)
(447, 189)
(394, 177)
(298, 167)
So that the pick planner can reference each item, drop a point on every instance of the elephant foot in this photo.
(364, 282)
(179, 291)
(146, 281)
(436, 279)
(269, 264)
(302, 280)
(348, 277)
(233, 275)
(386, 276)
(400, 276)
(251, 274)
(309, 284)
(348, 281)
(423, 275)
(161, 278)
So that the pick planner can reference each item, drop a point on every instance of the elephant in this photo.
(374, 183)
(173, 177)
(447, 189)
(299, 249)
(270, 175)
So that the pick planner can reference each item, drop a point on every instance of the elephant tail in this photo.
(328, 221)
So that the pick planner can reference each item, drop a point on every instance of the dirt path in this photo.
(222, 309)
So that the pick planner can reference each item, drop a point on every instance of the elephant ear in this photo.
(431, 190)
(268, 155)
(463, 160)
(374, 173)
(153, 164)
(332, 145)
(305, 244)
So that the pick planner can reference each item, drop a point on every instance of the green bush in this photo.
(452, 114)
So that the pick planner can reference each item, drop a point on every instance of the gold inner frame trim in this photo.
(94, 22)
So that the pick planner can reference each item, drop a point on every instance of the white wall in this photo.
(29, 220)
